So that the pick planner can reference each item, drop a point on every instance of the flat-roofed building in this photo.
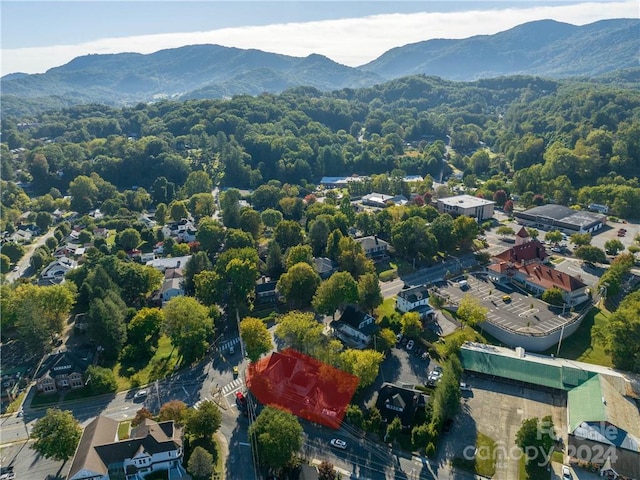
(559, 217)
(476, 207)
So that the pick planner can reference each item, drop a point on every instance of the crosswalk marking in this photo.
(229, 343)
(232, 387)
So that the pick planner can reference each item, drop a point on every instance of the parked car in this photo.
(232, 350)
(235, 371)
(425, 356)
(506, 298)
(409, 345)
(337, 443)
(140, 394)
(465, 387)
(566, 473)
(399, 338)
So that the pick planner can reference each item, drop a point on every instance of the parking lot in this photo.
(507, 307)
(497, 410)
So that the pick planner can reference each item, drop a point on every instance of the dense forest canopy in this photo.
(568, 141)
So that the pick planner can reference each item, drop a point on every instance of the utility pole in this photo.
(560, 341)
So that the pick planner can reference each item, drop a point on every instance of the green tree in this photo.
(411, 324)
(465, 230)
(413, 239)
(536, 439)
(580, 239)
(279, 436)
(471, 311)
(202, 205)
(275, 260)
(623, 334)
(297, 254)
(204, 421)
(554, 236)
(337, 291)
(43, 221)
(394, 430)
(209, 287)
(369, 294)
(300, 331)
(288, 233)
(553, 296)
(613, 246)
(200, 464)
(230, 205)
(180, 250)
(178, 210)
(129, 239)
(5, 263)
(106, 323)
(271, 217)
(188, 325)
(318, 235)
(385, 340)
(199, 262)
(299, 284)
(446, 396)
(256, 338)
(505, 231)
(364, 364)
(14, 251)
(210, 235)
(590, 253)
(442, 229)
(241, 275)
(251, 222)
(144, 329)
(161, 214)
(101, 380)
(197, 182)
(236, 238)
(56, 435)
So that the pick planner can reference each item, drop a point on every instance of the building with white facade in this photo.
(151, 447)
(476, 207)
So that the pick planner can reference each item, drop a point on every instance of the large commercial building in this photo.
(476, 207)
(559, 217)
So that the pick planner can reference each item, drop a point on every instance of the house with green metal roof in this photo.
(605, 424)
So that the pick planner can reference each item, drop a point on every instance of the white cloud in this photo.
(349, 41)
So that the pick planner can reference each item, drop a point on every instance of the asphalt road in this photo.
(24, 265)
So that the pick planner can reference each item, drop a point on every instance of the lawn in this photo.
(387, 308)
(161, 365)
(123, 430)
(465, 334)
(534, 473)
(583, 345)
(484, 463)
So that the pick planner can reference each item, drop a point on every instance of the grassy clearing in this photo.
(465, 334)
(485, 462)
(123, 430)
(387, 308)
(557, 260)
(13, 406)
(161, 364)
(584, 345)
(40, 400)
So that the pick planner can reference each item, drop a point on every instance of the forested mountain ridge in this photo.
(558, 140)
(544, 48)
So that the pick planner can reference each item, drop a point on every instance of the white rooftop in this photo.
(465, 201)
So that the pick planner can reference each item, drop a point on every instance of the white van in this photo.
(463, 284)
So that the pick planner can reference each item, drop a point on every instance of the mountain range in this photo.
(544, 48)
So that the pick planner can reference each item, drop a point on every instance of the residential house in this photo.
(415, 299)
(21, 236)
(340, 182)
(151, 447)
(325, 267)
(374, 247)
(172, 286)
(100, 232)
(183, 231)
(163, 264)
(265, 291)
(56, 270)
(404, 403)
(355, 328)
(63, 370)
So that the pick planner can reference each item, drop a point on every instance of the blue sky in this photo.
(37, 35)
